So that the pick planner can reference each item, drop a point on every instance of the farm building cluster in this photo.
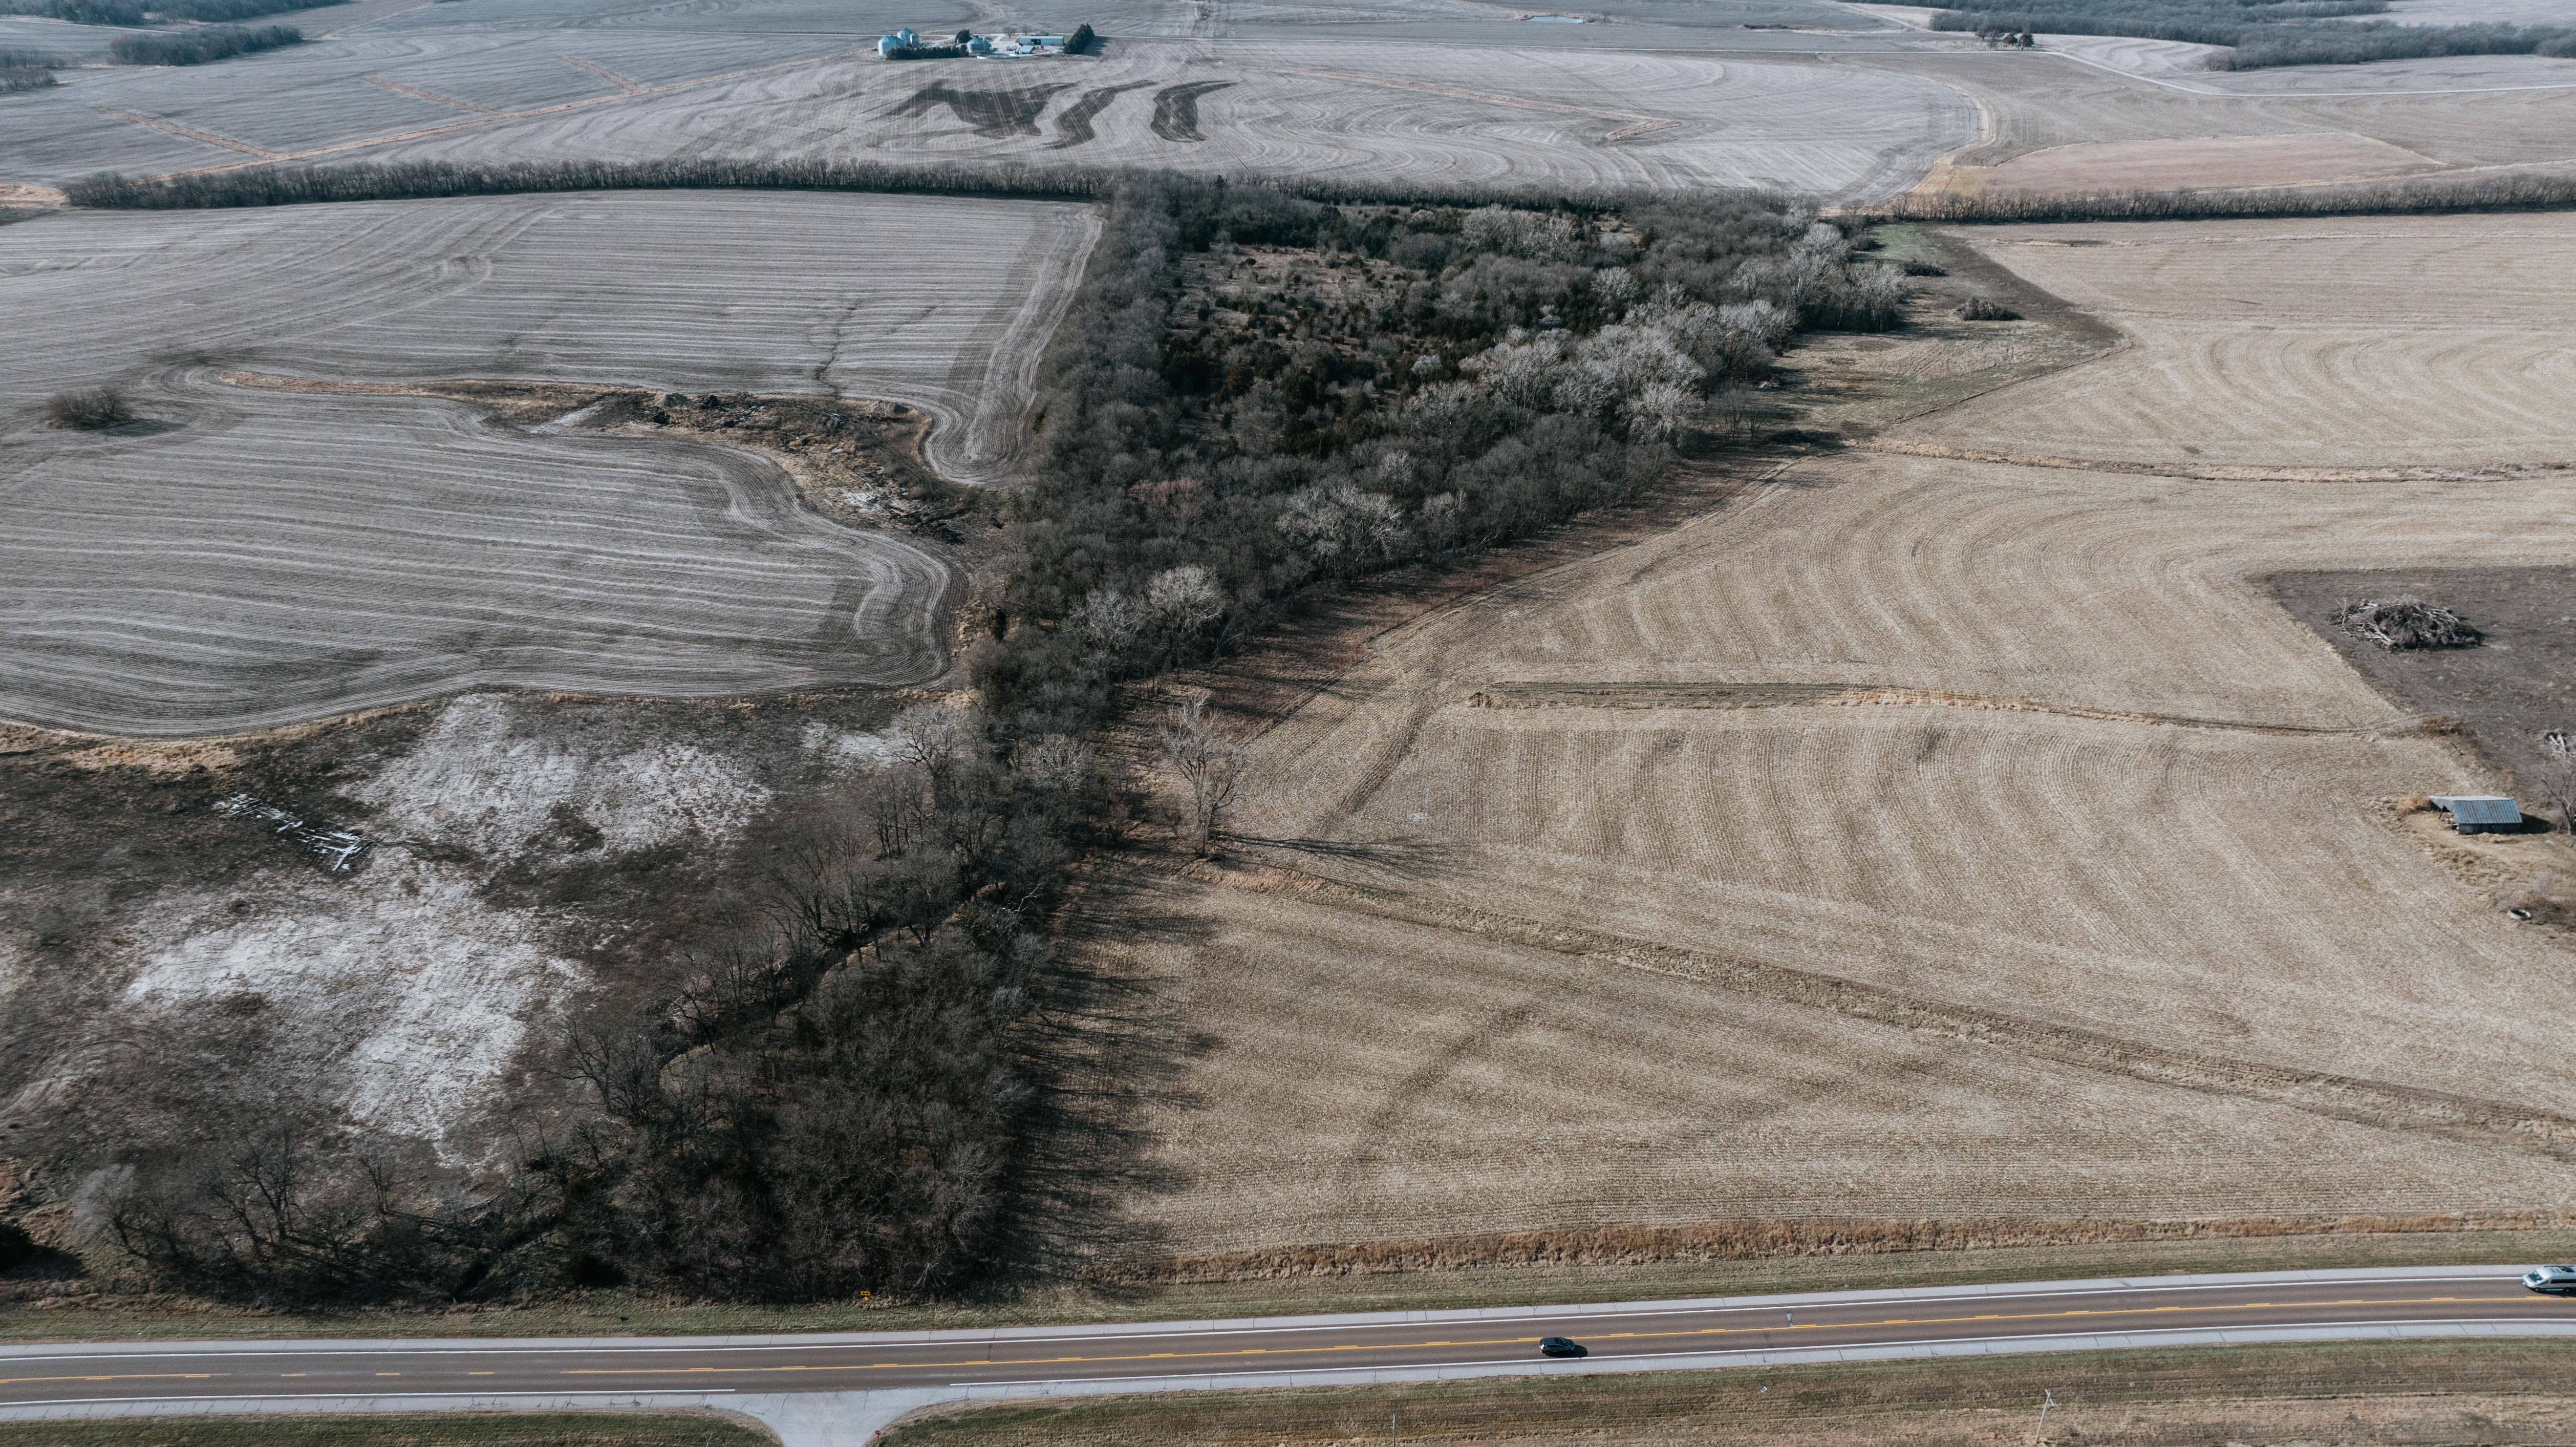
(908, 44)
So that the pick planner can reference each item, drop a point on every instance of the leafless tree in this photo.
(2558, 777)
(1207, 758)
(89, 410)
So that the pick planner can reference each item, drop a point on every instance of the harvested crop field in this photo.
(2370, 343)
(2165, 165)
(1396, 113)
(1378, 114)
(347, 552)
(1902, 836)
(2080, 121)
(248, 557)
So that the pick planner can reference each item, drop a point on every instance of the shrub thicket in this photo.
(89, 409)
(201, 47)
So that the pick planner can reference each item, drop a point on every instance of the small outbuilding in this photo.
(2479, 813)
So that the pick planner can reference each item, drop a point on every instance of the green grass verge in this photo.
(1867, 1402)
(404, 1429)
(624, 1314)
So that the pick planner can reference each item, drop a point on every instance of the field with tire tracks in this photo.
(244, 558)
(1908, 835)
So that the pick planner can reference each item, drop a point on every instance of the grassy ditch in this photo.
(407, 1429)
(626, 1312)
(2344, 1392)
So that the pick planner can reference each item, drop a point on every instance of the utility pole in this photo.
(2048, 1399)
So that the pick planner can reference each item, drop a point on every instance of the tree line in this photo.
(2263, 33)
(417, 180)
(139, 12)
(2510, 192)
(26, 69)
(202, 46)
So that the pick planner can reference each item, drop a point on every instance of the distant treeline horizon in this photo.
(2263, 33)
(2432, 194)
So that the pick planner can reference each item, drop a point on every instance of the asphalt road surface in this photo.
(1667, 1334)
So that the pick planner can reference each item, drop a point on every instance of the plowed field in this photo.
(248, 557)
(1906, 836)
(2385, 342)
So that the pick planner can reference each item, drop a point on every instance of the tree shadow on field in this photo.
(1109, 1048)
(1406, 858)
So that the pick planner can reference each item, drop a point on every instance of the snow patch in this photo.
(473, 781)
(847, 750)
(409, 996)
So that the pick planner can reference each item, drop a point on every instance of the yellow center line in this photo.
(1699, 1332)
(126, 1377)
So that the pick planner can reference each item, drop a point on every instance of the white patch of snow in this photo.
(399, 982)
(847, 750)
(470, 781)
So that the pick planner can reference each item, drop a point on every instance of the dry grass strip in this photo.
(1709, 1241)
(2346, 1392)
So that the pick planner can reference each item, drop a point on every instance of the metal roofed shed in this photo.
(2479, 813)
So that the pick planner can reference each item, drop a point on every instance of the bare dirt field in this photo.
(1742, 871)
(2426, 342)
(249, 556)
(2507, 693)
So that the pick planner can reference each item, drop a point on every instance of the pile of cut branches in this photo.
(2406, 621)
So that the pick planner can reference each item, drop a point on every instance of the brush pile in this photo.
(2406, 621)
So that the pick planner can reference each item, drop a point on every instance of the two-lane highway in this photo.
(1712, 1331)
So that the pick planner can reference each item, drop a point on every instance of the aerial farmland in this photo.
(660, 663)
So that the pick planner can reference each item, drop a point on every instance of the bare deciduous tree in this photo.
(2558, 777)
(1207, 758)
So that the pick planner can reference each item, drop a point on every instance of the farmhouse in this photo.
(907, 44)
(2477, 813)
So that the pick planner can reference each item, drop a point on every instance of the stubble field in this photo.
(243, 558)
(1908, 836)
(2344, 344)
(2094, 113)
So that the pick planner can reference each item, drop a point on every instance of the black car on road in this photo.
(1557, 1346)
